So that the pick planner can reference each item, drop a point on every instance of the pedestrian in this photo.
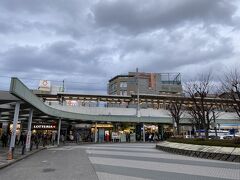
(45, 138)
(52, 136)
(62, 138)
(4, 139)
(21, 139)
(78, 137)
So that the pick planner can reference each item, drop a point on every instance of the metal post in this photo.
(29, 133)
(59, 129)
(138, 107)
(215, 125)
(95, 131)
(14, 129)
(143, 132)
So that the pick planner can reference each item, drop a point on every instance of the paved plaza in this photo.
(135, 161)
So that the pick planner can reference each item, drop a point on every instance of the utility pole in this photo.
(63, 86)
(138, 107)
(215, 125)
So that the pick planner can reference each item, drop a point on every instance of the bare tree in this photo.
(231, 89)
(198, 91)
(176, 111)
(195, 120)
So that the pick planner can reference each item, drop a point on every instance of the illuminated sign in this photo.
(44, 126)
(104, 125)
(44, 85)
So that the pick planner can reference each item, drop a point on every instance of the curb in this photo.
(20, 158)
(200, 154)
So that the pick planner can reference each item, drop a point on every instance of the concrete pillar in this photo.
(59, 130)
(14, 130)
(95, 131)
(143, 132)
(29, 132)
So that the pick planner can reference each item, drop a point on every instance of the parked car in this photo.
(228, 136)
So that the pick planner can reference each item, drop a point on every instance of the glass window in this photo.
(123, 84)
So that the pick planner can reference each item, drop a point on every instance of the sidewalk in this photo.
(17, 155)
(231, 154)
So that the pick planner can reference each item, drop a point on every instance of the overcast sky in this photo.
(89, 42)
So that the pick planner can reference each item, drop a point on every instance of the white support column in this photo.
(95, 131)
(14, 129)
(59, 130)
(29, 132)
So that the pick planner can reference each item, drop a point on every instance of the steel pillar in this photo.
(29, 132)
(59, 130)
(14, 130)
(95, 131)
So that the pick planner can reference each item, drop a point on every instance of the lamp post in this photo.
(138, 107)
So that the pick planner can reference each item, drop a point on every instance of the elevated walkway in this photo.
(100, 114)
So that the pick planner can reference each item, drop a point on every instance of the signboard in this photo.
(115, 135)
(82, 125)
(44, 85)
(44, 126)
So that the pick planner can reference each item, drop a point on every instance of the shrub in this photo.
(209, 142)
(236, 140)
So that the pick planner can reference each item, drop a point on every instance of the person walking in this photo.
(62, 138)
(77, 137)
(4, 139)
(21, 139)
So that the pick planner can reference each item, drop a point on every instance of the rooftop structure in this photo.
(148, 83)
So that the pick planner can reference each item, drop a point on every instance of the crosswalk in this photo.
(144, 161)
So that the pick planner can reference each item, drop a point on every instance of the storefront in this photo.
(104, 132)
(44, 129)
(84, 132)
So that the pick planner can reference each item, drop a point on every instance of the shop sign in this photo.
(44, 126)
(115, 135)
(82, 125)
(104, 125)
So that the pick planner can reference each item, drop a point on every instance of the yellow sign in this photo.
(103, 126)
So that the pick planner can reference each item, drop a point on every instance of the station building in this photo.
(65, 113)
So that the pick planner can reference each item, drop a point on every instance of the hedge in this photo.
(209, 142)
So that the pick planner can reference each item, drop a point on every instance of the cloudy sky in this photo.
(88, 42)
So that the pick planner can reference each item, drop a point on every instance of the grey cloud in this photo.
(170, 53)
(92, 41)
(138, 16)
(59, 56)
(43, 6)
